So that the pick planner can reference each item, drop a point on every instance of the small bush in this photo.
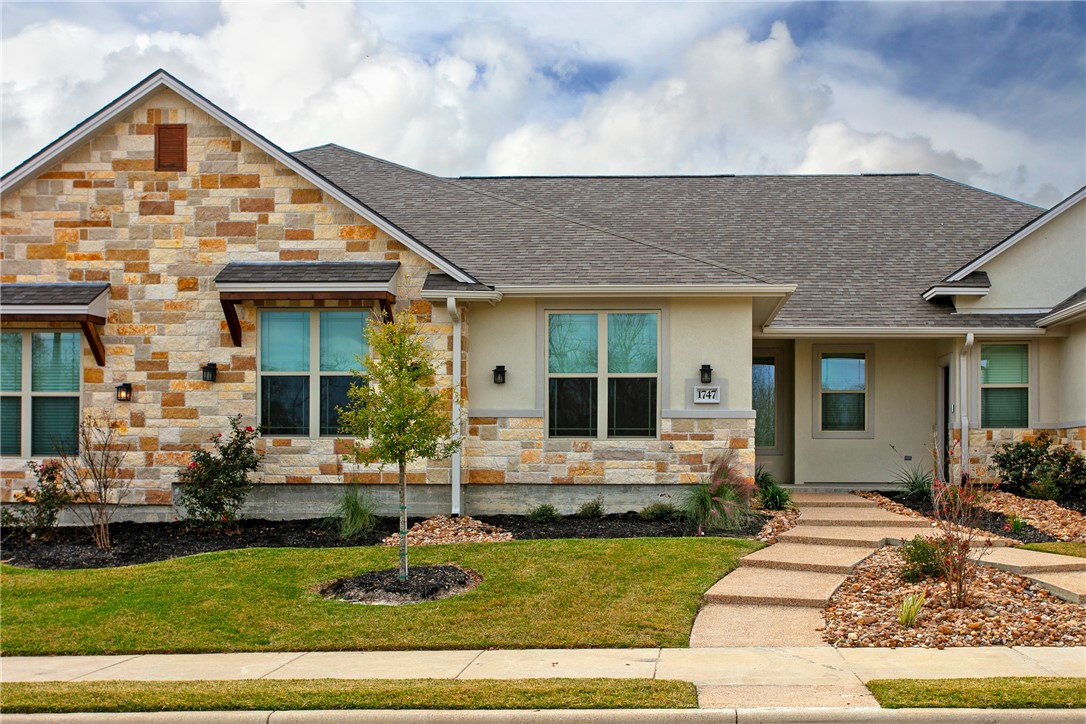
(592, 508)
(658, 513)
(545, 513)
(915, 481)
(217, 482)
(41, 505)
(353, 513)
(1056, 468)
(923, 559)
(723, 501)
(1014, 524)
(1044, 488)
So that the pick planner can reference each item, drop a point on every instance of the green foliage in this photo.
(36, 517)
(592, 508)
(658, 512)
(1014, 524)
(1040, 469)
(353, 513)
(923, 559)
(723, 501)
(392, 412)
(910, 607)
(216, 482)
(771, 496)
(915, 481)
(545, 513)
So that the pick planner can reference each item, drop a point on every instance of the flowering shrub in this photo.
(217, 481)
(42, 504)
(1038, 468)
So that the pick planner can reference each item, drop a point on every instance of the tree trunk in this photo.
(403, 521)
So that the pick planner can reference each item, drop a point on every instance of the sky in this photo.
(989, 94)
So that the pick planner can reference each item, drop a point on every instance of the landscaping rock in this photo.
(446, 529)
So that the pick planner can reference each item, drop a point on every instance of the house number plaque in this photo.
(706, 395)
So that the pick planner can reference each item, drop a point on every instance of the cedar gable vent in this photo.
(171, 147)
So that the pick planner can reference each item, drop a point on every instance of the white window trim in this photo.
(314, 372)
(601, 374)
(777, 448)
(26, 394)
(868, 350)
(1032, 359)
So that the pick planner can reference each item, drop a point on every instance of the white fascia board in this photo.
(159, 80)
(899, 331)
(1064, 315)
(951, 291)
(469, 296)
(643, 290)
(97, 307)
(1017, 236)
(309, 287)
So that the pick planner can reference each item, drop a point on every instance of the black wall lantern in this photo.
(706, 374)
(499, 375)
(124, 392)
(209, 371)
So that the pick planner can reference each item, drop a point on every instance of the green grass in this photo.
(997, 693)
(641, 592)
(1066, 549)
(295, 694)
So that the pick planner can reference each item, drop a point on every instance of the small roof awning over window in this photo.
(84, 303)
(244, 281)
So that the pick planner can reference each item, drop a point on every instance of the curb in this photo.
(828, 715)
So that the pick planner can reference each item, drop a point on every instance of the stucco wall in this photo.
(903, 414)
(1056, 253)
(1072, 367)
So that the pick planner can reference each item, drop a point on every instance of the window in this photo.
(39, 392)
(1004, 385)
(171, 147)
(306, 357)
(843, 379)
(764, 398)
(602, 374)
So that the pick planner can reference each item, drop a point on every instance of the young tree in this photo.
(393, 413)
(92, 475)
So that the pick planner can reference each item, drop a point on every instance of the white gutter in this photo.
(963, 399)
(450, 304)
(468, 296)
(647, 290)
(933, 332)
(1063, 315)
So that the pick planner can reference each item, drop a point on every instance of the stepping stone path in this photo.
(776, 595)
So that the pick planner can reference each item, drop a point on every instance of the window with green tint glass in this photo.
(306, 362)
(843, 391)
(39, 392)
(1004, 385)
(602, 374)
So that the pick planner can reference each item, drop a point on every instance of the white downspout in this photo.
(454, 313)
(963, 400)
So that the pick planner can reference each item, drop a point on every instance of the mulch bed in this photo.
(987, 520)
(384, 588)
(146, 542)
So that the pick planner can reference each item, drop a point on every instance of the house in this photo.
(609, 335)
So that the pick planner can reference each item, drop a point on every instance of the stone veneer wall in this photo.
(985, 442)
(159, 238)
(515, 450)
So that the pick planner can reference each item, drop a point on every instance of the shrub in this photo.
(915, 481)
(353, 513)
(771, 496)
(545, 513)
(658, 512)
(1044, 488)
(923, 559)
(722, 501)
(592, 508)
(1028, 462)
(957, 510)
(217, 482)
(41, 505)
(92, 475)
(910, 608)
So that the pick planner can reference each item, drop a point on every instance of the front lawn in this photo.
(1066, 549)
(996, 693)
(640, 592)
(300, 694)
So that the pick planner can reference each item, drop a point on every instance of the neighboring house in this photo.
(609, 334)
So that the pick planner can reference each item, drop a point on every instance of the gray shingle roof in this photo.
(861, 249)
(20, 294)
(309, 272)
(439, 282)
(973, 280)
(1079, 296)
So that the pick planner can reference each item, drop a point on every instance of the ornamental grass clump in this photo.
(216, 482)
(722, 502)
(353, 514)
(771, 496)
(910, 607)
